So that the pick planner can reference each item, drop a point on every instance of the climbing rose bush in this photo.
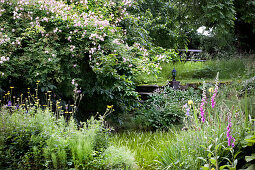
(72, 44)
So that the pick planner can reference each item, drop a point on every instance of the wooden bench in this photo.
(190, 55)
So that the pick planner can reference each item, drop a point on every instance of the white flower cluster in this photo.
(116, 41)
(127, 2)
(1, 11)
(97, 36)
(3, 59)
(3, 38)
(142, 49)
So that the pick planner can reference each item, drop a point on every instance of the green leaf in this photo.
(201, 158)
(216, 147)
(213, 161)
(205, 168)
(250, 158)
(223, 166)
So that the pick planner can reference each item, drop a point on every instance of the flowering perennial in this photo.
(215, 91)
(203, 102)
(231, 139)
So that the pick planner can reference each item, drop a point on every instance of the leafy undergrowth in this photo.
(36, 139)
(217, 132)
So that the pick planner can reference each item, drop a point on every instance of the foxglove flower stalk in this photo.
(231, 140)
(203, 102)
(213, 102)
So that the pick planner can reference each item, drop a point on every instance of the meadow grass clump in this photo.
(119, 157)
(146, 146)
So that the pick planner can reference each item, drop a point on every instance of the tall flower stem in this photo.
(202, 105)
(231, 139)
(213, 102)
(195, 115)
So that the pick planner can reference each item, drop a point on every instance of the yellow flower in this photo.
(210, 90)
(11, 87)
(38, 81)
(190, 102)
(109, 107)
(213, 169)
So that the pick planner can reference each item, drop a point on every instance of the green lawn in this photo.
(193, 72)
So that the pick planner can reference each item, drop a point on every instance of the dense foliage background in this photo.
(63, 63)
(97, 47)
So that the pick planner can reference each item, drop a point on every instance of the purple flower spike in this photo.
(231, 140)
(233, 143)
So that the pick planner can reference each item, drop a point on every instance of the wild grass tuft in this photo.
(146, 146)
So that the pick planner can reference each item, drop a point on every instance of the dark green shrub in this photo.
(164, 108)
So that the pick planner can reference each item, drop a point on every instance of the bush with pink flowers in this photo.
(74, 43)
